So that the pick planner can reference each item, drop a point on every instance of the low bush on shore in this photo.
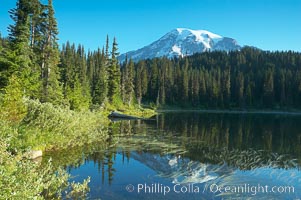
(45, 127)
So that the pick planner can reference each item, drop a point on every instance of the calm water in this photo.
(193, 156)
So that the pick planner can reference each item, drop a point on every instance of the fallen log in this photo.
(119, 115)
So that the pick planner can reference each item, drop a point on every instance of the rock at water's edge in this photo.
(35, 154)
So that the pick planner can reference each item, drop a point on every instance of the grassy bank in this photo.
(43, 127)
(134, 110)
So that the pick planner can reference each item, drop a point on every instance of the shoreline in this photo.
(214, 111)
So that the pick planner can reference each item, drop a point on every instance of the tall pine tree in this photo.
(20, 54)
(52, 90)
(114, 75)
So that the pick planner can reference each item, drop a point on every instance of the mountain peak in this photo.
(197, 32)
(181, 42)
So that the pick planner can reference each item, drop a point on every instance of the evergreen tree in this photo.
(240, 89)
(153, 91)
(114, 75)
(123, 78)
(282, 88)
(195, 88)
(20, 53)
(7, 66)
(203, 91)
(226, 85)
(82, 75)
(100, 87)
(161, 96)
(185, 79)
(268, 87)
(77, 99)
(52, 90)
(107, 54)
(141, 81)
(129, 83)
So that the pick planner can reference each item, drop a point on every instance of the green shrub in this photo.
(24, 179)
(48, 127)
(35, 125)
(13, 108)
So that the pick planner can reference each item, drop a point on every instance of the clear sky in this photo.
(266, 24)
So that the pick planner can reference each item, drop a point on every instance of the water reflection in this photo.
(281, 134)
(199, 148)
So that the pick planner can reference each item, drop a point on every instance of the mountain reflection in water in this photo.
(198, 148)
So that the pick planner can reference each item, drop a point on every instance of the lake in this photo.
(193, 155)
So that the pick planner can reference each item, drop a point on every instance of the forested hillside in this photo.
(249, 78)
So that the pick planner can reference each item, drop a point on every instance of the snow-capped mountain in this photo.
(182, 42)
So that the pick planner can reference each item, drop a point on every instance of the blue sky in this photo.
(266, 24)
